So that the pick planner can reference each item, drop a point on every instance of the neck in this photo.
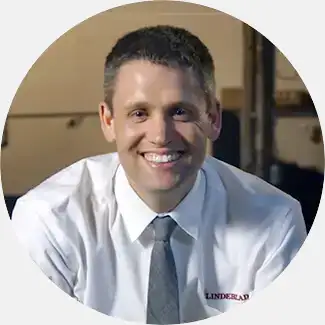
(165, 201)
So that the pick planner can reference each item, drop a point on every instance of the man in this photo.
(159, 232)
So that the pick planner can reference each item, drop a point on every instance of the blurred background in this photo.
(270, 125)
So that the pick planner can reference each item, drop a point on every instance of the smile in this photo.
(165, 159)
(162, 158)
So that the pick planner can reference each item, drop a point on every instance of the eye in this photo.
(138, 115)
(181, 114)
(179, 111)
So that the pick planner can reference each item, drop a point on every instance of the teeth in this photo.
(152, 157)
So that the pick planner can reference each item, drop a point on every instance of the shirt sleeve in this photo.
(287, 237)
(46, 243)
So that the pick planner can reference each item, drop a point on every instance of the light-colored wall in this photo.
(68, 78)
(293, 140)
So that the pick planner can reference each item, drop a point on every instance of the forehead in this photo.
(155, 84)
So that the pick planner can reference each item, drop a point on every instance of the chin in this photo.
(165, 185)
(162, 187)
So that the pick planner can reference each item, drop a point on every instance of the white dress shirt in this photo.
(87, 230)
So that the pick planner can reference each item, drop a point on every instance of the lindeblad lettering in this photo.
(226, 296)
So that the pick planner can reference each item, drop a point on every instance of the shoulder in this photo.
(86, 177)
(63, 205)
(252, 203)
(243, 187)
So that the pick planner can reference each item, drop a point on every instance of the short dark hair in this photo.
(170, 46)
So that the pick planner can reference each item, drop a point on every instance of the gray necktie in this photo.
(163, 304)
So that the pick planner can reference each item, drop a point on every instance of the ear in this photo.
(107, 122)
(215, 121)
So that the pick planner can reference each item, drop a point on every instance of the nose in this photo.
(160, 131)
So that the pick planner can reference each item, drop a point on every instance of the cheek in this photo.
(127, 136)
(192, 133)
(129, 130)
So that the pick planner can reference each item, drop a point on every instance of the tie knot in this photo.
(164, 227)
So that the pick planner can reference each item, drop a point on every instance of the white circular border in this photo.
(29, 28)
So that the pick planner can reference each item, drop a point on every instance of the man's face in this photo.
(160, 124)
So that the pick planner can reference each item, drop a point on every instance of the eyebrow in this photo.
(184, 104)
(137, 105)
(146, 105)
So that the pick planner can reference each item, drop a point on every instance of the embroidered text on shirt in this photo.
(228, 296)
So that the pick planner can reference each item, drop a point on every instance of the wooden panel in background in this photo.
(38, 148)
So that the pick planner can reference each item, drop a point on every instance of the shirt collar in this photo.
(137, 215)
